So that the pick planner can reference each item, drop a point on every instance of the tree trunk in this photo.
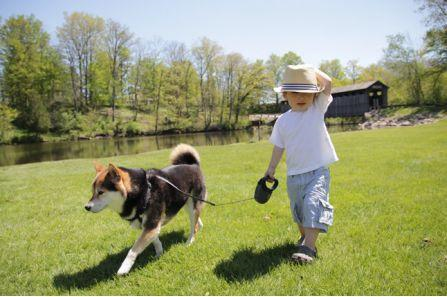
(73, 86)
(222, 106)
(158, 101)
(81, 92)
(187, 88)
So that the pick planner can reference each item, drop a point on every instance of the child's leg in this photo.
(301, 228)
(311, 235)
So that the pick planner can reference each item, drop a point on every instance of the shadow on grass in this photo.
(108, 267)
(247, 265)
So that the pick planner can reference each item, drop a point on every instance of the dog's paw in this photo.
(158, 254)
(189, 241)
(125, 267)
(122, 272)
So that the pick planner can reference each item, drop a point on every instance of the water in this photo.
(51, 151)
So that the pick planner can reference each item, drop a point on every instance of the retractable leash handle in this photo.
(263, 192)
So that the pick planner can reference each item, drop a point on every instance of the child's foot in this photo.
(305, 255)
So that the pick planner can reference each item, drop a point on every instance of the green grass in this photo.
(389, 237)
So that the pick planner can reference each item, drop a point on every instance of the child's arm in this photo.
(324, 80)
(276, 157)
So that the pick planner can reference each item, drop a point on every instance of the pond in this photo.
(98, 148)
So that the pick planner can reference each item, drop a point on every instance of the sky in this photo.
(315, 30)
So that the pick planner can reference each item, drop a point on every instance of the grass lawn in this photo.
(389, 190)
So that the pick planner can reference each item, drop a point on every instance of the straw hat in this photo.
(299, 79)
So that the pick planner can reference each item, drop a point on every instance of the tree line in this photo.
(98, 67)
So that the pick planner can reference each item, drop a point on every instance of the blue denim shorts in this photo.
(309, 199)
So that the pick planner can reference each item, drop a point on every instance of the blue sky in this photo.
(316, 30)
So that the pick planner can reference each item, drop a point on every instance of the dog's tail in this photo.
(184, 154)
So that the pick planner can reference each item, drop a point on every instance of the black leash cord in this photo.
(196, 198)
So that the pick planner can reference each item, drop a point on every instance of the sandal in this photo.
(300, 241)
(305, 255)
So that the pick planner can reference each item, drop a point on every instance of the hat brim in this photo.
(280, 89)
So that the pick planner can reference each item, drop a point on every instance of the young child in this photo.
(301, 132)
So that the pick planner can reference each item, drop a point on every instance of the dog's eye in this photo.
(100, 192)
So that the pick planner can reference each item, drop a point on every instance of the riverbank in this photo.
(403, 116)
(102, 128)
(97, 124)
(388, 238)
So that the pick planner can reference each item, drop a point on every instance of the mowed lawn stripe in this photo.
(389, 191)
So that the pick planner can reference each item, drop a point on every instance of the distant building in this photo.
(354, 100)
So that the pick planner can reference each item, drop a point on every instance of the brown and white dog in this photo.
(147, 201)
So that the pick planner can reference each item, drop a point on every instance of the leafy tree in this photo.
(182, 78)
(437, 13)
(117, 41)
(135, 77)
(251, 82)
(79, 41)
(335, 70)
(31, 71)
(205, 56)
(290, 58)
(7, 115)
(406, 63)
(276, 66)
(435, 48)
(229, 70)
(353, 70)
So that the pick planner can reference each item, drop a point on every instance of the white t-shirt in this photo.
(304, 136)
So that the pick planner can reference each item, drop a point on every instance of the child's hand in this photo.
(324, 80)
(270, 174)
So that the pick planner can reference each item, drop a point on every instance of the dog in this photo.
(149, 199)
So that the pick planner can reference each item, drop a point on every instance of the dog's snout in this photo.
(88, 207)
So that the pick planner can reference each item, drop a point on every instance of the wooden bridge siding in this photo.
(353, 104)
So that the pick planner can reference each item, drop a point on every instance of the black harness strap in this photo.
(143, 199)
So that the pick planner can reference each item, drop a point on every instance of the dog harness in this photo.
(142, 200)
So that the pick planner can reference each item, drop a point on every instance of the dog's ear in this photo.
(114, 173)
(98, 166)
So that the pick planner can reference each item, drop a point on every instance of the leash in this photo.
(197, 198)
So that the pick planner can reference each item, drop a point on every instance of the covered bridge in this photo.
(355, 100)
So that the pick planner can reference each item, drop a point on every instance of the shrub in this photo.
(64, 122)
(133, 128)
(7, 115)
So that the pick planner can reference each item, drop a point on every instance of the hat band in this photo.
(299, 87)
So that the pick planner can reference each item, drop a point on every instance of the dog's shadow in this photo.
(108, 267)
(246, 265)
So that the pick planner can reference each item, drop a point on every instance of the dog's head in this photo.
(110, 188)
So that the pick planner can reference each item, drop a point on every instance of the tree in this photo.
(251, 82)
(275, 70)
(229, 70)
(79, 40)
(435, 48)
(276, 66)
(7, 116)
(437, 13)
(353, 70)
(405, 62)
(335, 70)
(182, 77)
(290, 58)
(205, 55)
(117, 41)
(135, 78)
(31, 71)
